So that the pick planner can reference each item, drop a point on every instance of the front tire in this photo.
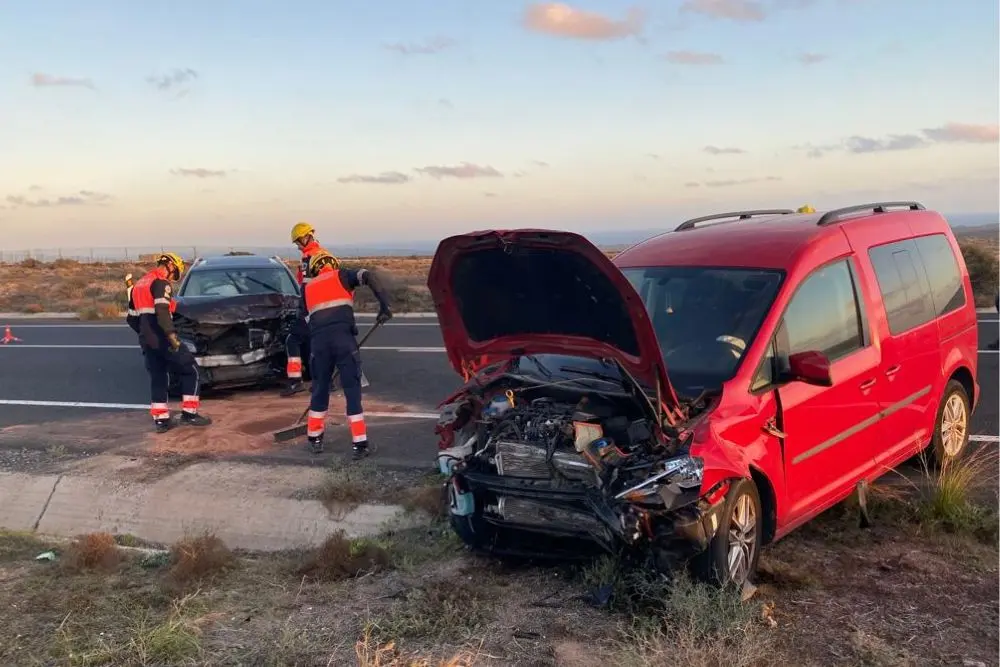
(732, 554)
(951, 427)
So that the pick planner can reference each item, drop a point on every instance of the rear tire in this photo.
(951, 427)
(733, 553)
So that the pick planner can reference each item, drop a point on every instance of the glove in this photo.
(384, 315)
(175, 342)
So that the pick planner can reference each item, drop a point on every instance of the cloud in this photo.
(384, 178)
(693, 58)
(541, 163)
(40, 80)
(445, 103)
(742, 11)
(732, 182)
(562, 20)
(653, 156)
(79, 198)
(199, 172)
(429, 47)
(177, 77)
(490, 195)
(35, 188)
(947, 133)
(894, 142)
(964, 132)
(715, 150)
(811, 58)
(464, 171)
(692, 184)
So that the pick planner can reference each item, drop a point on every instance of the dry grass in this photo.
(370, 653)
(340, 557)
(195, 559)
(94, 551)
(97, 291)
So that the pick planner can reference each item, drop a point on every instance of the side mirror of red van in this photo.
(811, 367)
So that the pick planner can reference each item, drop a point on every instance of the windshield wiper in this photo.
(269, 288)
(594, 374)
(542, 368)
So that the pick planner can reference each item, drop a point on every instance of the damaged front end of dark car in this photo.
(237, 340)
(570, 440)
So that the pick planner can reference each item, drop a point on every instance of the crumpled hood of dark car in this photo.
(236, 309)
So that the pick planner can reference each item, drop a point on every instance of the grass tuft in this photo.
(94, 551)
(340, 557)
(371, 653)
(195, 559)
(948, 497)
(446, 609)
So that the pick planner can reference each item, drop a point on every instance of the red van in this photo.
(708, 390)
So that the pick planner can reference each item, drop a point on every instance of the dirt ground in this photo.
(97, 290)
(897, 593)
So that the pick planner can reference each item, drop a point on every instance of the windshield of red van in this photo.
(705, 318)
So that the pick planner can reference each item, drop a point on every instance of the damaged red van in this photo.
(705, 393)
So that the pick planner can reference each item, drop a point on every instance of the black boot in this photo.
(194, 419)
(162, 425)
(316, 444)
(360, 450)
(292, 388)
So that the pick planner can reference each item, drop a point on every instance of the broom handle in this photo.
(337, 370)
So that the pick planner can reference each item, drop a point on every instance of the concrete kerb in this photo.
(69, 505)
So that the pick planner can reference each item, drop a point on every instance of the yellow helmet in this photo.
(176, 259)
(301, 229)
(806, 209)
(321, 260)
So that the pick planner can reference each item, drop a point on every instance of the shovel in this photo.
(299, 428)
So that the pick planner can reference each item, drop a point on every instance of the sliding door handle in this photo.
(867, 384)
(892, 370)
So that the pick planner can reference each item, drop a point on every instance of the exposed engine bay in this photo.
(558, 459)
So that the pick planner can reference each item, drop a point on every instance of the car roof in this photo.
(768, 240)
(234, 262)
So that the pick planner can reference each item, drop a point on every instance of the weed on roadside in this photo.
(195, 559)
(340, 557)
(444, 609)
(675, 620)
(371, 653)
(347, 487)
(947, 500)
(95, 551)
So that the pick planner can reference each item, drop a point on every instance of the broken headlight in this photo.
(681, 473)
(189, 344)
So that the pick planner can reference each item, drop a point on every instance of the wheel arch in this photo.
(963, 376)
(768, 503)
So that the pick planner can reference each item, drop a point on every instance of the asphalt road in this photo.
(69, 362)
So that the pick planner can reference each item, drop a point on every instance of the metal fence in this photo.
(140, 253)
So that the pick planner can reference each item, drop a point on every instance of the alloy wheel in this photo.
(742, 539)
(954, 425)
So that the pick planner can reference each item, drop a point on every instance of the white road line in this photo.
(984, 438)
(134, 406)
(13, 346)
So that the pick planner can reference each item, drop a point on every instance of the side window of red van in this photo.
(919, 280)
(823, 316)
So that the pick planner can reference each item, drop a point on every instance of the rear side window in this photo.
(823, 315)
(903, 283)
(943, 273)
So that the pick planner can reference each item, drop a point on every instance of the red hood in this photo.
(537, 291)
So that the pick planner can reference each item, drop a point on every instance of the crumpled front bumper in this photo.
(555, 521)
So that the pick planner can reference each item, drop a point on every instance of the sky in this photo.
(226, 121)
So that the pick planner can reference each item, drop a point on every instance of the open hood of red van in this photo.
(536, 291)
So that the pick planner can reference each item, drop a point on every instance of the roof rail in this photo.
(876, 207)
(740, 215)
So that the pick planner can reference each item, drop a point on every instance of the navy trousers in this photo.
(160, 361)
(335, 349)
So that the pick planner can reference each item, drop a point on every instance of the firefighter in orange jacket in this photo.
(329, 303)
(150, 314)
(303, 236)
